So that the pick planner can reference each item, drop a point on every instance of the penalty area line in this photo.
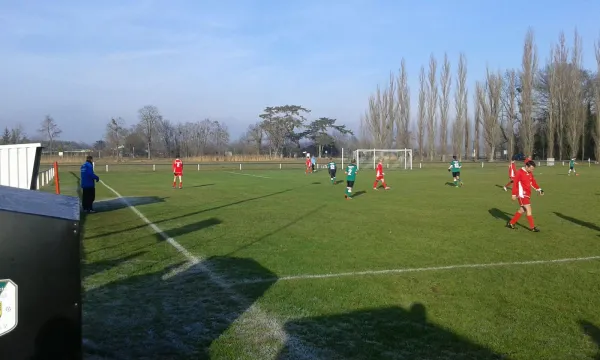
(414, 270)
(237, 173)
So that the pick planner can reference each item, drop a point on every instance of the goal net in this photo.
(398, 159)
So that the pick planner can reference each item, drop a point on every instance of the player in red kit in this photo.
(379, 176)
(521, 191)
(177, 172)
(308, 165)
(512, 170)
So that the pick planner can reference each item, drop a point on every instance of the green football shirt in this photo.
(331, 166)
(351, 171)
(572, 163)
(455, 165)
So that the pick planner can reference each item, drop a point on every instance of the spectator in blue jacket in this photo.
(88, 182)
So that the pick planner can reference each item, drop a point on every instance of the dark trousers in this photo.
(87, 198)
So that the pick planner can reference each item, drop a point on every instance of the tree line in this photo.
(546, 111)
(281, 131)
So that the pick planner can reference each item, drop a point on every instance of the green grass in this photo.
(144, 299)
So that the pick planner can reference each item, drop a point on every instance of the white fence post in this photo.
(342, 158)
(198, 167)
(106, 167)
(482, 164)
(240, 167)
(153, 167)
(279, 166)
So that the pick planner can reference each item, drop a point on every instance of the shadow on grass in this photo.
(586, 224)
(316, 183)
(383, 333)
(358, 193)
(111, 233)
(501, 186)
(174, 314)
(190, 228)
(96, 267)
(448, 183)
(339, 182)
(593, 332)
(502, 215)
(295, 221)
(118, 203)
(199, 186)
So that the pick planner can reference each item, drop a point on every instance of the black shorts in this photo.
(332, 172)
(456, 174)
(350, 183)
(570, 168)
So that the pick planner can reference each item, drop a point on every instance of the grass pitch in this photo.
(277, 265)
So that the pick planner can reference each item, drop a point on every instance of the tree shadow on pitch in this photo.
(156, 222)
(586, 224)
(189, 228)
(174, 313)
(383, 333)
(593, 332)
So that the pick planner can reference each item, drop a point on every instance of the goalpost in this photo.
(392, 158)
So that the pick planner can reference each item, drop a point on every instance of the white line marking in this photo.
(260, 322)
(422, 269)
(237, 173)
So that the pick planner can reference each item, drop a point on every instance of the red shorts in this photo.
(178, 174)
(524, 201)
(379, 178)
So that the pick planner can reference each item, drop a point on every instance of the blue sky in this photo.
(84, 62)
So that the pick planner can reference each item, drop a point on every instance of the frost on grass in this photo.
(146, 317)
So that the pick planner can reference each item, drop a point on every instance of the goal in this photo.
(399, 159)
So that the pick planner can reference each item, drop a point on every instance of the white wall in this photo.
(17, 164)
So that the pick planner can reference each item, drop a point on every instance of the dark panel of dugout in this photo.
(40, 253)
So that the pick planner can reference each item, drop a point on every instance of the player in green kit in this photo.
(572, 167)
(332, 168)
(351, 171)
(455, 167)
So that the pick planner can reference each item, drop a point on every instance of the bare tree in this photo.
(17, 134)
(597, 98)
(255, 135)
(509, 101)
(445, 81)
(115, 135)
(403, 105)
(529, 69)
(575, 99)
(422, 111)
(432, 98)
(149, 119)
(489, 101)
(477, 122)
(50, 130)
(552, 106)
(460, 103)
(378, 122)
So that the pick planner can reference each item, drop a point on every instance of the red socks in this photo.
(518, 216)
(376, 182)
(515, 218)
(530, 219)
